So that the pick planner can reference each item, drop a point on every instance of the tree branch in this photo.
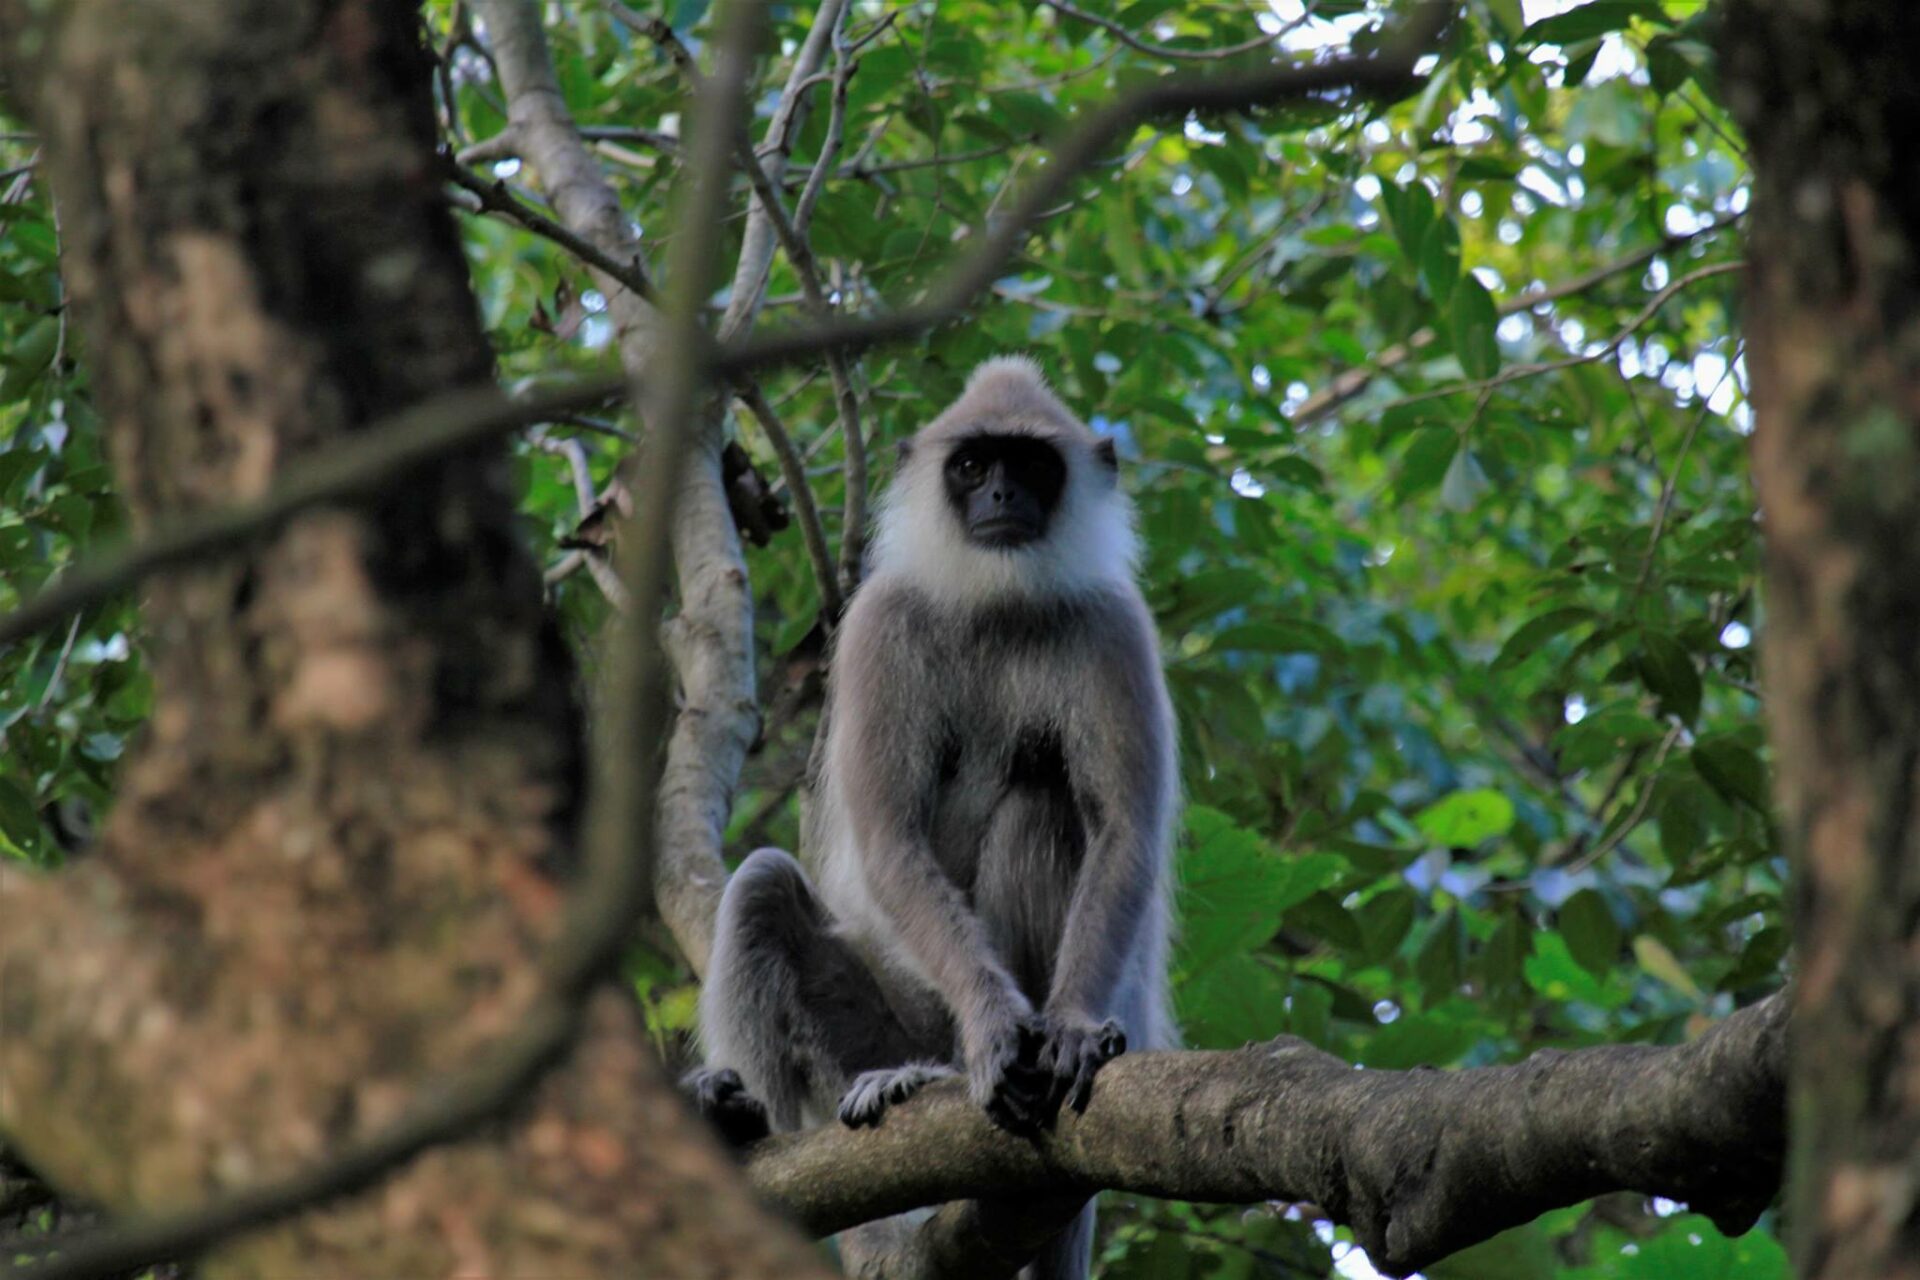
(1352, 382)
(379, 453)
(1520, 372)
(495, 198)
(1387, 72)
(794, 472)
(1135, 43)
(1419, 1163)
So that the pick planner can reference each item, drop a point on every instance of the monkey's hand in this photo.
(1075, 1048)
(1025, 1072)
(1004, 1076)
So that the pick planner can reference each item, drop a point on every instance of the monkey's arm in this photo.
(1121, 768)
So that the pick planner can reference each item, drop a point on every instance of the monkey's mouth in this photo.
(1004, 532)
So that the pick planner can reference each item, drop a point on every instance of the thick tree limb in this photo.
(1419, 1163)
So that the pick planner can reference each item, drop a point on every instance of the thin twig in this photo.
(754, 397)
(575, 457)
(1672, 484)
(1626, 825)
(494, 197)
(1522, 371)
(846, 396)
(844, 66)
(59, 666)
(1352, 382)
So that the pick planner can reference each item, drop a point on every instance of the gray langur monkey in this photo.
(993, 805)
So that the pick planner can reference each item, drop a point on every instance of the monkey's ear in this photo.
(1103, 450)
(903, 451)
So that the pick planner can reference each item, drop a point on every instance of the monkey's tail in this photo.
(1069, 1255)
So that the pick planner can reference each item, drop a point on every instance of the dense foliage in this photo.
(1435, 420)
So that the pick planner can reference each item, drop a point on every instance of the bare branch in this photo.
(846, 397)
(494, 197)
(755, 265)
(1419, 1163)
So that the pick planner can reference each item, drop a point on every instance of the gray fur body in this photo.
(991, 823)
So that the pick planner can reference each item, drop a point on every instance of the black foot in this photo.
(721, 1098)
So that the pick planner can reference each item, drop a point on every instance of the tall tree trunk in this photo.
(1830, 100)
(328, 872)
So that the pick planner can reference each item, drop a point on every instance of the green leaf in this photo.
(1669, 674)
(1505, 955)
(1234, 888)
(1465, 818)
(1442, 961)
(1592, 934)
(1554, 973)
(1425, 462)
(1536, 631)
(27, 359)
(1591, 20)
(1474, 320)
(1440, 258)
(1658, 962)
(1322, 916)
(1734, 771)
(1464, 482)
(1290, 635)
(1384, 921)
(1682, 819)
(1410, 210)
(1420, 1040)
(1241, 999)
(19, 823)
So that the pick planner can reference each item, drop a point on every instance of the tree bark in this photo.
(331, 863)
(1827, 94)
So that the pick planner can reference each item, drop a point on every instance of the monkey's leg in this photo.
(787, 1003)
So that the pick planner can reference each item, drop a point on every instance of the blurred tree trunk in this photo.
(1829, 96)
(330, 865)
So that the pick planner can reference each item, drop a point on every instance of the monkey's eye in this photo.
(968, 468)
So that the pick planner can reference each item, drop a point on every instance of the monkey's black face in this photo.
(1004, 489)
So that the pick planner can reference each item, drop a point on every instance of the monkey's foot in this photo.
(872, 1092)
(722, 1100)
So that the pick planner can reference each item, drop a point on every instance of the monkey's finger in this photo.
(1012, 1116)
(1082, 1092)
(1113, 1041)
